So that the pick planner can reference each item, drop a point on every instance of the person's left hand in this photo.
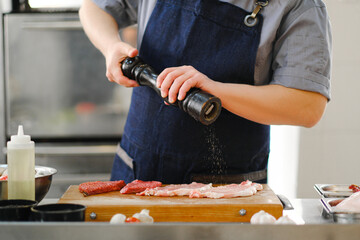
(175, 82)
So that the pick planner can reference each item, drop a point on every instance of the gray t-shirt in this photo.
(295, 44)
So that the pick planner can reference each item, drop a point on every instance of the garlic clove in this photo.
(118, 219)
(262, 217)
(144, 216)
(285, 220)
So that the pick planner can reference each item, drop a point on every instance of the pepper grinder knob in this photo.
(201, 105)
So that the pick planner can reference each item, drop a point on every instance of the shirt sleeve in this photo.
(302, 52)
(123, 11)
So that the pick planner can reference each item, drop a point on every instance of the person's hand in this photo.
(115, 54)
(175, 82)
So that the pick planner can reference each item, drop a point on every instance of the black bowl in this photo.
(63, 212)
(16, 209)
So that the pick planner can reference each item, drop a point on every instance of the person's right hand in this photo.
(115, 54)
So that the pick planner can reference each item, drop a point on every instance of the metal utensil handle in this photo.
(285, 202)
(53, 25)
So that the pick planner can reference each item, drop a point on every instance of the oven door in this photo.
(55, 81)
(55, 86)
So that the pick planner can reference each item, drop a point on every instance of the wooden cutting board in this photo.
(176, 209)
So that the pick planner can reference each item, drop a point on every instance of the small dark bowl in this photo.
(16, 209)
(56, 212)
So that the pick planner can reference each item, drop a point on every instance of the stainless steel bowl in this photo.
(42, 182)
(338, 216)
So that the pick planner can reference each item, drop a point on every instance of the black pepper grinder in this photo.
(201, 105)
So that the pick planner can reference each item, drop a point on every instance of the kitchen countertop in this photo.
(306, 212)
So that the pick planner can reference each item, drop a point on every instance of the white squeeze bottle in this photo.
(21, 166)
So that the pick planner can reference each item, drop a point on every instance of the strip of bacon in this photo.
(175, 190)
(246, 188)
(97, 187)
(138, 186)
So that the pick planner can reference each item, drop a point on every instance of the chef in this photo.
(268, 61)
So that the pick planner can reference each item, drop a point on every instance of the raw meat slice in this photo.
(175, 190)
(350, 204)
(246, 188)
(138, 186)
(5, 177)
(97, 187)
(354, 188)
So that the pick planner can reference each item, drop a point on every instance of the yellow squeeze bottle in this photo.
(21, 166)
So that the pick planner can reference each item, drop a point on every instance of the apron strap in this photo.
(233, 178)
(251, 20)
(124, 156)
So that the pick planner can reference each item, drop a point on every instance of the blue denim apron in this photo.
(162, 142)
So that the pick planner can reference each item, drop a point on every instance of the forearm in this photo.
(99, 26)
(102, 30)
(270, 104)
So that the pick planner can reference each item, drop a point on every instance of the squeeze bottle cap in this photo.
(20, 138)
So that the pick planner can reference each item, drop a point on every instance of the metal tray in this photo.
(333, 190)
(329, 211)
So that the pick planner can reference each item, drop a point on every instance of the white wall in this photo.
(330, 152)
(283, 160)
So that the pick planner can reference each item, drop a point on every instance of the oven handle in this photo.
(55, 25)
(74, 150)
